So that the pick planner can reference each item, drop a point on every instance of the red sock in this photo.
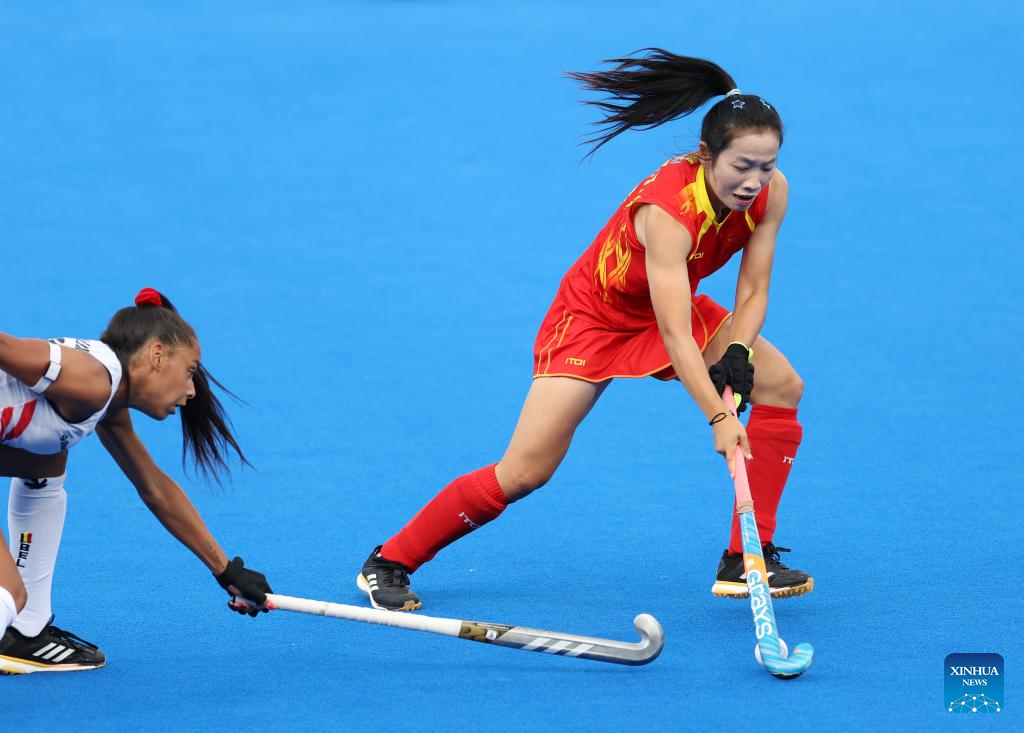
(465, 504)
(774, 437)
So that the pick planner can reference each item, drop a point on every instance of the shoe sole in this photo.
(724, 589)
(364, 586)
(10, 665)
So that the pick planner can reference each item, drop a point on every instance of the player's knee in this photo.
(792, 389)
(782, 390)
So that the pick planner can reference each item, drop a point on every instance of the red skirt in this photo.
(568, 345)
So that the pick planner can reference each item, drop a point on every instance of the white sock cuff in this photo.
(39, 486)
(7, 609)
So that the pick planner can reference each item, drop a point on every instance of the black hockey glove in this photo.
(250, 584)
(736, 370)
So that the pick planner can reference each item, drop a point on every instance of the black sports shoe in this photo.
(52, 650)
(783, 582)
(387, 583)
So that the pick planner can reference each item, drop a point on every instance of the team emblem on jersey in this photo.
(12, 426)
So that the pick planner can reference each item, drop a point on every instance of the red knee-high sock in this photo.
(774, 437)
(465, 504)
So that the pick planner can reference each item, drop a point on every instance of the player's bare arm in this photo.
(756, 266)
(667, 244)
(82, 386)
(158, 491)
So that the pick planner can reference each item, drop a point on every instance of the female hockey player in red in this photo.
(52, 395)
(629, 308)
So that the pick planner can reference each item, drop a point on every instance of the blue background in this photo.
(365, 208)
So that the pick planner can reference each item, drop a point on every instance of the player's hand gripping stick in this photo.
(236, 578)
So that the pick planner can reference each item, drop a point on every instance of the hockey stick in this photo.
(652, 638)
(769, 643)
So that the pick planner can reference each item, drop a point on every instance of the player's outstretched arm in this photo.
(171, 505)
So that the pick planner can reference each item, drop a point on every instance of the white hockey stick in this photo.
(652, 638)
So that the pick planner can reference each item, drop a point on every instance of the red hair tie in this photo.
(148, 296)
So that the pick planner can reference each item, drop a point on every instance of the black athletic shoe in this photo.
(52, 650)
(387, 584)
(783, 582)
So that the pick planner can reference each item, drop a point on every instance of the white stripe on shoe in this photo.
(45, 649)
(62, 657)
(55, 652)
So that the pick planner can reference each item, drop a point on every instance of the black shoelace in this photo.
(772, 553)
(393, 574)
(66, 637)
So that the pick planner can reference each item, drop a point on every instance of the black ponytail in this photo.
(205, 428)
(652, 89)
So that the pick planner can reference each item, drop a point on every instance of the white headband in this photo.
(731, 92)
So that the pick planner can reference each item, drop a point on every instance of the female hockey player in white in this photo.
(12, 590)
(52, 395)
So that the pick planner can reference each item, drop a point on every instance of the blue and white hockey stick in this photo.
(770, 647)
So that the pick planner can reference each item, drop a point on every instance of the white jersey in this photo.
(28, 420)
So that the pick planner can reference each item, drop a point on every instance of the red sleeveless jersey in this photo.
(608, 284)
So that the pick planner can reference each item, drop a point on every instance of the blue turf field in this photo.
(354, 201)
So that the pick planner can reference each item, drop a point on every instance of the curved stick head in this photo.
(794, 665)
(652, 637)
